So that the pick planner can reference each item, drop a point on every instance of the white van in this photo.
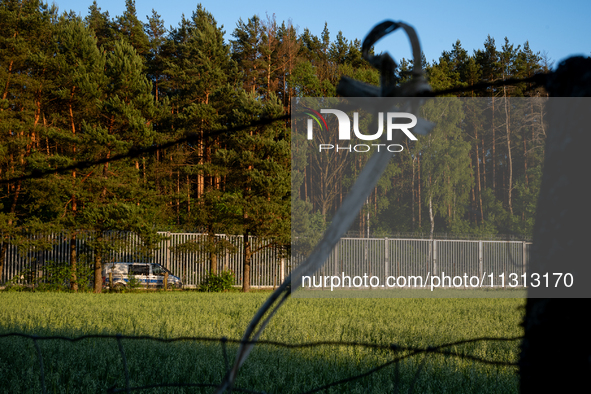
(146, 274)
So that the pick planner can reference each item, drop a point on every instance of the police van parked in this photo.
(146, 275)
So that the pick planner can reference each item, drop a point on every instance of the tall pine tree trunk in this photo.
(73, 259)
(419, 195)
(188, 199)
(494, 156)
(473, 192)
(246, 264)
(478, 184)
(510, 158)
(3, 257)
(73, 264)
(483, 163)
(213, 258)
(98, 271)
(412, 187)
(431, 217)
(213, 264)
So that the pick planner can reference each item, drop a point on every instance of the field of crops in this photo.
(94, 365)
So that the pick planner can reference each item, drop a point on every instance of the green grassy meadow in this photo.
(94, 365)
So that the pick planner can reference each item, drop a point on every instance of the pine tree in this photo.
(270, 54)
(102, 26)
(130, 28)
(201, 61)
(304, 82)
(247, 51)
(313, 49)
(339, 49)
(78, 79)
(25, 50)
(508, 66)
(288, 58)
(446, 170)
(156, 33)
(258, 175)
(199, 71)
(488, 60)
(104, 106)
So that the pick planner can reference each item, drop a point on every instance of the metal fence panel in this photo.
(389, 259)
(380, 257)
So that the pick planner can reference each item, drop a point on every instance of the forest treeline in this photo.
(80, 89)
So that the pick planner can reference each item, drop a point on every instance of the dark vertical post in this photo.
(556, 350)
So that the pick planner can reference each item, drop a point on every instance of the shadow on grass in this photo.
(96, 365)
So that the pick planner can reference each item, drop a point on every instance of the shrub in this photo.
(218, 282)
(133, 282)
(56, 277)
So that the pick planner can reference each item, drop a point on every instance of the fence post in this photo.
(165, 280)
(336, 258)
(282, 270)
(386, 259)
(167, 251)
(524, 254)
(480, 259)
(226, 262)
(434, 247)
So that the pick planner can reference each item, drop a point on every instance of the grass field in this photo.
(94, 365)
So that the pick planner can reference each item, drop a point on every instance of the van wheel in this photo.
(118, 287)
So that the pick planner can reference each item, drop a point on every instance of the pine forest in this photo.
(121, 124)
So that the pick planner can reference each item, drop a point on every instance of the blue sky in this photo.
(561, 29)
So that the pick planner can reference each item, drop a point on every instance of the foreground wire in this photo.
(412, 351)
(536, 80)
(138, 151)
(155, 386)
(262, 342)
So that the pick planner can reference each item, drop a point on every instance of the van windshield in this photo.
(158, 270)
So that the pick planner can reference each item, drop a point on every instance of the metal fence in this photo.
(267, 265)
(495, 263)
(380, 257)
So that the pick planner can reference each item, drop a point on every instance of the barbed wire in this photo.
(538, 79)
(138, 151)
(223, 341)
